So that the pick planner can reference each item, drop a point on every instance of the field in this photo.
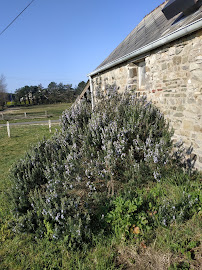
(33, 113)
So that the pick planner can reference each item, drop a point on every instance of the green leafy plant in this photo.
(181, 266)
(127, 217)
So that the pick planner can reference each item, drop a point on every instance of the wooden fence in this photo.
(24, 115)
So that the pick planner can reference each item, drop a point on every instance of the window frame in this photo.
(141, 74)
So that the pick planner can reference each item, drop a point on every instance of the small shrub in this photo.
(181, 266)
(128, 217)
(180, 210)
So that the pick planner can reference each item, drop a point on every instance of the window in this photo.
(141, 74)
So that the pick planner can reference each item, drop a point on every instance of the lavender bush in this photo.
(61, 187)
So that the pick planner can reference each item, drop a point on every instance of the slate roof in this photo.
(152, 27)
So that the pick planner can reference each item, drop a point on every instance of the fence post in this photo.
(49, 123)
(8, 129)
(2, 116)
(25, 115)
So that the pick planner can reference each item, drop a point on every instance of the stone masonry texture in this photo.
(173, 82)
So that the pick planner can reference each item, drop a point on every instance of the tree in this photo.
(80, 87)
(3, 95)
(22, 94)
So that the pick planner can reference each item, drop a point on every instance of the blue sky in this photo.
(63, 40)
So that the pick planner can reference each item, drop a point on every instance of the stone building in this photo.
(162, 59)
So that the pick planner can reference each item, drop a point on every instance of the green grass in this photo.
(25, 253)
(22, 137)
(34, 113)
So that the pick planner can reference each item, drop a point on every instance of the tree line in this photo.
(54, 93)
(36, 95)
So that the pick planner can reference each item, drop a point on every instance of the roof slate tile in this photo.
(152, 27)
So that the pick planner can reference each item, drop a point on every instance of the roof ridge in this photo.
(155, 9)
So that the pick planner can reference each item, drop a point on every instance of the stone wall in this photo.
(115, 78)
(173, 81)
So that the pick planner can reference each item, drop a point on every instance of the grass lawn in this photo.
(34, 113)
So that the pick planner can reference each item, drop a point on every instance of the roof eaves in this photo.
(180, 32)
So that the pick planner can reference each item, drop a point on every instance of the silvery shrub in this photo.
(62, 187)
